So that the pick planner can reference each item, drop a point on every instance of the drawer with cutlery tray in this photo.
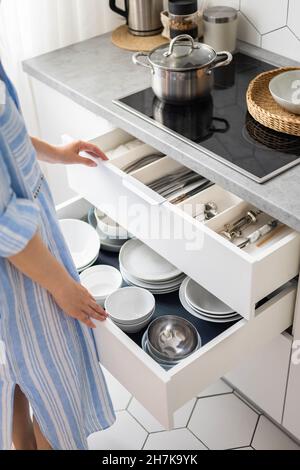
(167, 219)
(223, 345)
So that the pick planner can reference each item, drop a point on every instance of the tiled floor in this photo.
(217, 419)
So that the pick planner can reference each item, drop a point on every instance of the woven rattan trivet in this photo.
(265, 110)
(122, 38)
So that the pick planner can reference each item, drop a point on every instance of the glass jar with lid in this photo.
(183, 16)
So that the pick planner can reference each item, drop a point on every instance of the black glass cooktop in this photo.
(221, 125)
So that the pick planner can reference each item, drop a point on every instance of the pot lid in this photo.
(182, 54)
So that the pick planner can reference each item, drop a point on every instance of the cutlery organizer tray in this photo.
(239, 277)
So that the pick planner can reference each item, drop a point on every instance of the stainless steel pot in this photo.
(143, 16)
(182, 71)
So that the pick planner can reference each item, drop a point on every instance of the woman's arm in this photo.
(67, 154)
(37, 263)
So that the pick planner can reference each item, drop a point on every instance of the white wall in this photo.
(271, 24)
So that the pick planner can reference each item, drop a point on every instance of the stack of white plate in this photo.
(101, 281)
(140, 266)
(204, 305)
(111, 234)
(83, 242)
(131, 308)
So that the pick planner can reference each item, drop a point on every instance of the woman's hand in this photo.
(68, 154)
(77, 302)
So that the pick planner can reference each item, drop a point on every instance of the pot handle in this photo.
(136, 60)
(179, 38)
(219, 62)
(220, 129)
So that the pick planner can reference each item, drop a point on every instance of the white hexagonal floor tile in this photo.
(282, 42)
(265, 15)
(294, 16)
(125, 434)
(119, 395)
(223, 422)
(179, 439)
(143, 416)
(270, 437)
(218, 388)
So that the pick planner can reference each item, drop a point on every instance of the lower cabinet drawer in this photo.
(163, 392)
(240, 278)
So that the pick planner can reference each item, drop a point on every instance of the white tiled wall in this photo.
(271, 24)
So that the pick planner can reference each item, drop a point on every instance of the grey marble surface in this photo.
(95, 72)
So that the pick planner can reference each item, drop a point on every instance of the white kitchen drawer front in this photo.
(240, 278)
(162, 392)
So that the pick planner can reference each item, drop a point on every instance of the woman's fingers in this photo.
(92, 150)
(95, 315)
(86, 320)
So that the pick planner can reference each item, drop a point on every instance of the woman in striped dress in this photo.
(47, 351)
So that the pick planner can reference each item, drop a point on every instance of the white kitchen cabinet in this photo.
(58, 114)
(263, 378)
(240, 278)
(291, 417)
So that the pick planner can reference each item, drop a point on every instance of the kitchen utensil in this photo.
(181, 71)
(201, 315)
(101, 281)
(201, 187)
(183, 15)
(220, 27)
(195, 120)
(235, 229)
(130, 305)
(259, 233)
(143, 263)
(264, 109)
(208, 211)
(285, 89)
(172, 338)
(141, 163)
(142, 16)
(82, 240)
(267, 238)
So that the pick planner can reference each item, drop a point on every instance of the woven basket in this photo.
(264, 109)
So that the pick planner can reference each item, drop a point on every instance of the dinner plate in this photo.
(143, 263)
(202, 316)
(153, 290)
(113, 245)
(210, 315)
(88, 265)
(82, 240)
(158, 286)
(202, 300)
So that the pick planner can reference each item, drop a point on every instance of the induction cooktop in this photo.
(220, 126)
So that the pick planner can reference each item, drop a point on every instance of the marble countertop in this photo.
(93, 73)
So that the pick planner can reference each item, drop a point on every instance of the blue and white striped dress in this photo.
(50, 356)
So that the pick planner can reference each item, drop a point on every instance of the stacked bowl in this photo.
(111, 234)
(83, 242)
(131, 308)
(101, 281)
(204, 305)
(170, 339)
(140, 266)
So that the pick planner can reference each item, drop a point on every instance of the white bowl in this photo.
(101, 281)
(109, 227)
(130, 305)
(285, 89)
(83, 241)
(136, 327)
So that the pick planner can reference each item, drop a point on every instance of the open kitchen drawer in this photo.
(240, 278)
(224, 347)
